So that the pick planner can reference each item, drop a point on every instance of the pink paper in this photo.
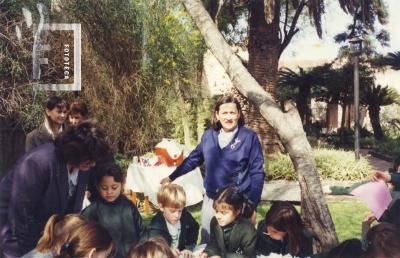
(376, 195)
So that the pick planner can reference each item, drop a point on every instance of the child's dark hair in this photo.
(351, 248)
(56, 102)
(109, 169)
(383, 241)
(284, 217)
(78, 107)
(232, 198)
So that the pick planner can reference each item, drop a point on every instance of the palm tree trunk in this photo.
(287, 125)
(303, 106)
(375, 121)
(331, 116)
(264, 55)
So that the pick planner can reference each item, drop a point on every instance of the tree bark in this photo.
(264, 52)
(287, 124)
(375, 121)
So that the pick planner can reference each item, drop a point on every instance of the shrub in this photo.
(331, 164)
(342, 139)
(389, 146)
(368, 142)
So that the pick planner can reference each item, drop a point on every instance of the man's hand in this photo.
(380, 175)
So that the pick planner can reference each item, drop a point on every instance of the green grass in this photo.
(347, 216)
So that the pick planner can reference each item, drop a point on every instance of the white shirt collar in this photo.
(73, 175)
(47, 126)
(224, 138)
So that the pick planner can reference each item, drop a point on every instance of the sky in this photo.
(334, 22)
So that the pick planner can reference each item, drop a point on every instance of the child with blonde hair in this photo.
(56, 232)
(173, 222)
(155, 247)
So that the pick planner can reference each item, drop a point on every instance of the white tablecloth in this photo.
(147, 180)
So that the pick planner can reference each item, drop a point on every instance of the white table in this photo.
(147, 180)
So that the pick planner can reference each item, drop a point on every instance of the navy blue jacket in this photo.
(240, 163)
(34, 189)
(189, 230)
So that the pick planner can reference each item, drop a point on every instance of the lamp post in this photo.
(355, 51)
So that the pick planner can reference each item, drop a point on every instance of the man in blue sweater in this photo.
(232, 156)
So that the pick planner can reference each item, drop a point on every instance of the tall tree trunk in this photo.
(344, 112)
(263, 47)
(287, 124)
(303, 105)
(375, 121)
(331, 116)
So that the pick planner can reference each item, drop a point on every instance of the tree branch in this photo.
(286, 17)
(293, 30)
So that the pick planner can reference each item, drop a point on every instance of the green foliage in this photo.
(389, 146)
(123, 161)
(343, 138)
(142, 61)
(391, 60)
(331, 164)
(390, 119)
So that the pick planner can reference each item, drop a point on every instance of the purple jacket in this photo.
(33, 190)
(240, 163)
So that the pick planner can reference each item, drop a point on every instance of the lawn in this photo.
(347, 216)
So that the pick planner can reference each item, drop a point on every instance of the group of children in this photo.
(173, 232)
(231, 233)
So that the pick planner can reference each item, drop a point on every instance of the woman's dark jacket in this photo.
(267, 245)
(121, 219)
(242, 241)
(37, 137)
(189, 230)
(33, 190)
(240, 164)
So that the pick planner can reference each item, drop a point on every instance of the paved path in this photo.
(290, 190)
(376, 163)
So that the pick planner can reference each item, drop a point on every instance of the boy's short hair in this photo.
(171, 195)
(78, 107)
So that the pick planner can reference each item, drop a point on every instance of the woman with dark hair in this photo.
(55, 112)
(232, 156)
(282, 232)
(48, 180)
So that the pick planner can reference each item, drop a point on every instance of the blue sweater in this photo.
(240, 163)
